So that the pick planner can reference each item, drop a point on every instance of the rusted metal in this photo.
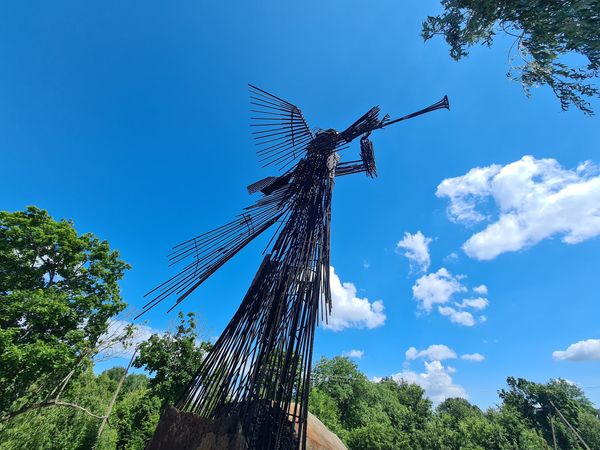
(259, 368)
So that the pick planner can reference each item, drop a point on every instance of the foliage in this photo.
(138, 406)
(550, 37)
(58, 291)
(393, 414)
(63, 428)
(540, 406)
(172, 358)
(135, 418)
(384, 415)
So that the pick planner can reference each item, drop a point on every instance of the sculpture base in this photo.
(178, 430)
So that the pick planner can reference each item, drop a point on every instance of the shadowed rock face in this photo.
(178, 430)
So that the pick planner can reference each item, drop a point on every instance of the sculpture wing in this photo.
(279, 129)
(203, 255)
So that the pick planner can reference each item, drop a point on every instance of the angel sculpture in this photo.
(259, 368)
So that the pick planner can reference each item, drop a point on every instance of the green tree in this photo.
(549, 35)
(458, 409)
(58, 291)
(64, 428)
(519, 434)
(376, 436)
(326, 409)
(341, 380)
(459, 425)
(135, 417)
(438, 435)
(364, 414)
(172, 359)
(478, 432)
(589, 427)
(405, 407)
(540, 406)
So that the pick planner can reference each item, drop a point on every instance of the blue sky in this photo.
(131, 118)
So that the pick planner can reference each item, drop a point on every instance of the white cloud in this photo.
(475, 303)
(460, 317)
(354, 354)
(436, 381)
(464, 193)
(108, 341)
(438, 352)
(588, 350)
(436, 288)
(535, 199)
(411, 353)
(481, 289)
(416, 248)
(451, 258)
(475, 357)
(350, 311)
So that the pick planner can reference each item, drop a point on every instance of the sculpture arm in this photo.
(203, 255)
(365, 164)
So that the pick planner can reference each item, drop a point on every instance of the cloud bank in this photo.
(436, 380)
(436, 288)
(474, 357)
(588, 350)
(523, 203)
(350, 311)
(357, 354)
(438, 352)
(416, 249)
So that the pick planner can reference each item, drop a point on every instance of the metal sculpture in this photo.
(259, 368)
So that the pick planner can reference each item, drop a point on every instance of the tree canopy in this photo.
(169, 356)
(556, 43)
(172, 358)
(392, 414)
(58, 291)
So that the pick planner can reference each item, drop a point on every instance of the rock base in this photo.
(178, 430)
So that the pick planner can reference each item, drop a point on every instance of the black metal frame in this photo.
(259, 368)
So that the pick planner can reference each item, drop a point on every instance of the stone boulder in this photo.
(179, 430)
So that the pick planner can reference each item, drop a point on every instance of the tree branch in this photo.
(46, 404)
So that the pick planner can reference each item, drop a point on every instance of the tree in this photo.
(326, 409)
(136, 415)
(58, 291)
(341, 380)
(376, 436)
(547, 406)
(172, 358)
(364, 414)
(64, 428)
(548, 36)
(405, 407)
(458, 409)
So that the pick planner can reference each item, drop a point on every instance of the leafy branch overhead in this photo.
(557, 42)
